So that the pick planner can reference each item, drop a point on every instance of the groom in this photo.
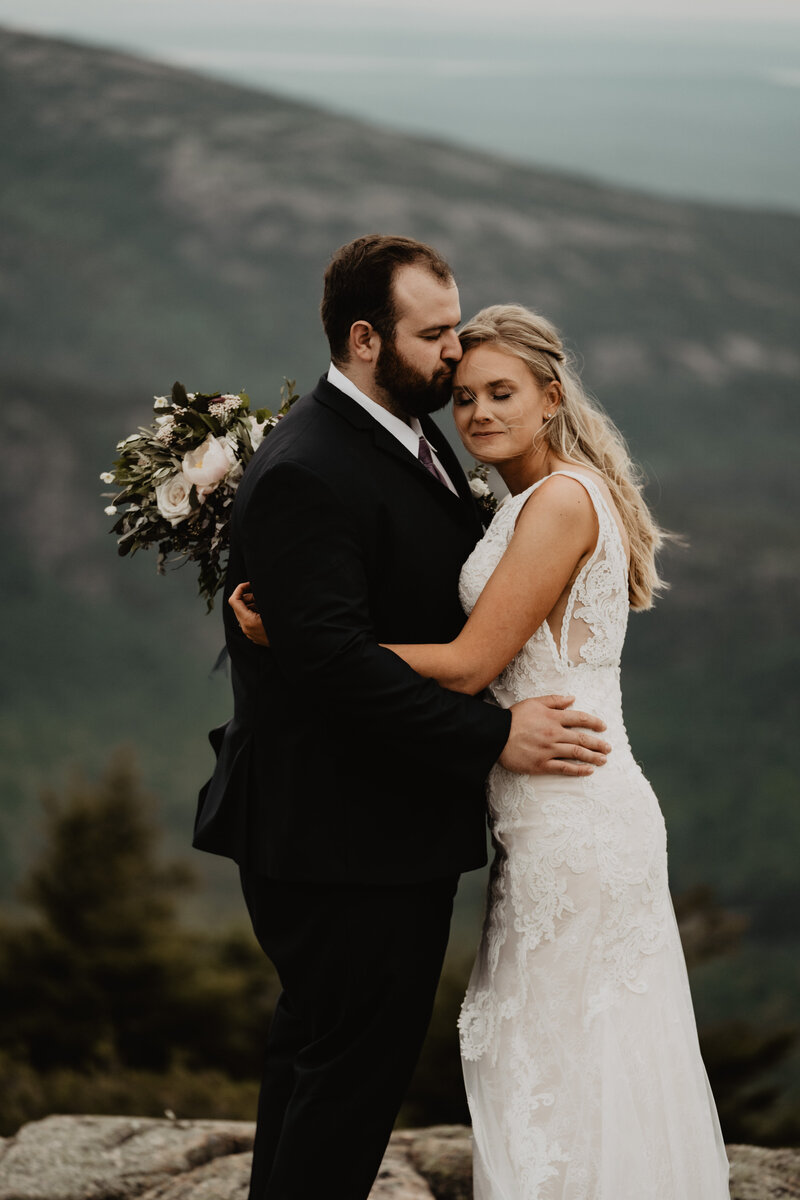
(349, 789)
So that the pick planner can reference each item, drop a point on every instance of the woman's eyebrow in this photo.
(490, 383)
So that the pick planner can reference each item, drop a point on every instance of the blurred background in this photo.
(174, 177)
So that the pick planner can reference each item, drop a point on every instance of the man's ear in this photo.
(365, 343)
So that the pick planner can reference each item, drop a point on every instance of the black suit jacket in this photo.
(341, 763)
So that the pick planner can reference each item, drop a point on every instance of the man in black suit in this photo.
(349, 789)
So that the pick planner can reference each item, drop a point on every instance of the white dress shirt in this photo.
(408, 434)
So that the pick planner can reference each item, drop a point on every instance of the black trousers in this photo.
(359, 966)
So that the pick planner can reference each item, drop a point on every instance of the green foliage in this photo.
(97, 885)
(753, 1106)
(106, 985)
(29, 1094)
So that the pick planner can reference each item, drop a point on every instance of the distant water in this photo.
(696, 111)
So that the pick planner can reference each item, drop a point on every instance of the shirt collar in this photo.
(407, 433)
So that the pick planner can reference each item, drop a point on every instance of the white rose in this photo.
(172, 498)
(206, 466)
(479, 488)
(107, 477)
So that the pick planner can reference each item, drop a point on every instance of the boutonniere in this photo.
(484, 497)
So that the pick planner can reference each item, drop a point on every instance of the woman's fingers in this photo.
(243, 605)
(238, 594)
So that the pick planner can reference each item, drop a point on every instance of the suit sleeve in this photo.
(306, 567)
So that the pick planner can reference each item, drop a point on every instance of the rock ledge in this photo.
(122, 1158)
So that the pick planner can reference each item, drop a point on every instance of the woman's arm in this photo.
(555, 530)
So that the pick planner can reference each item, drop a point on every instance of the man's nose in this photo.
(451, 347)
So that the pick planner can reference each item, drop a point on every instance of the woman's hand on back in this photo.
(243, 604)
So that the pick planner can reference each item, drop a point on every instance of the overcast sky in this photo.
(82, 16)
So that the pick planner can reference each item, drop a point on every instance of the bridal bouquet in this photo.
(178, 478)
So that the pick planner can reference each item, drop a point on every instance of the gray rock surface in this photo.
(759, 1174)
(115, 1158)
(122, 1158)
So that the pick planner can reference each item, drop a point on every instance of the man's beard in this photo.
(410, 393)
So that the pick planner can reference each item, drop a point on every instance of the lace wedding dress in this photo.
(578, 1040)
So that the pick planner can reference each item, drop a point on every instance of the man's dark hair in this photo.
(359, 285)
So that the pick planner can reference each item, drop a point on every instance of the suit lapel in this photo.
(384, 441)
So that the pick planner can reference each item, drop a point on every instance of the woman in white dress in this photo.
(578, 1040)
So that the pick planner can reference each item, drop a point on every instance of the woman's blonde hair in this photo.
(578, 431)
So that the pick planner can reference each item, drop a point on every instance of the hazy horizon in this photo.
(676, 102)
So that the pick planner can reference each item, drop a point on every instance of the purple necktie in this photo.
(426, 459)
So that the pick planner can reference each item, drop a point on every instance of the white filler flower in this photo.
(107, 477)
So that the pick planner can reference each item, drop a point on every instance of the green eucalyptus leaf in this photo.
(179, 396)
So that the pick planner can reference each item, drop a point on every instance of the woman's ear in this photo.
(552, 395)
(364, 342)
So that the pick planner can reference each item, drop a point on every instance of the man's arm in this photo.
(308, 577)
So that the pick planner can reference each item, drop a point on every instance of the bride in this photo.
(578, 1041)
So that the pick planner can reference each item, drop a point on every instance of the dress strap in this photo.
(599, 503)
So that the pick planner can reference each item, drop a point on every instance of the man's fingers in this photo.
(583, 754)
(561, 766)
(589, 741)
(556, 701)
(581, 720)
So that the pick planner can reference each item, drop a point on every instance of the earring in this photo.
(547, 416)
